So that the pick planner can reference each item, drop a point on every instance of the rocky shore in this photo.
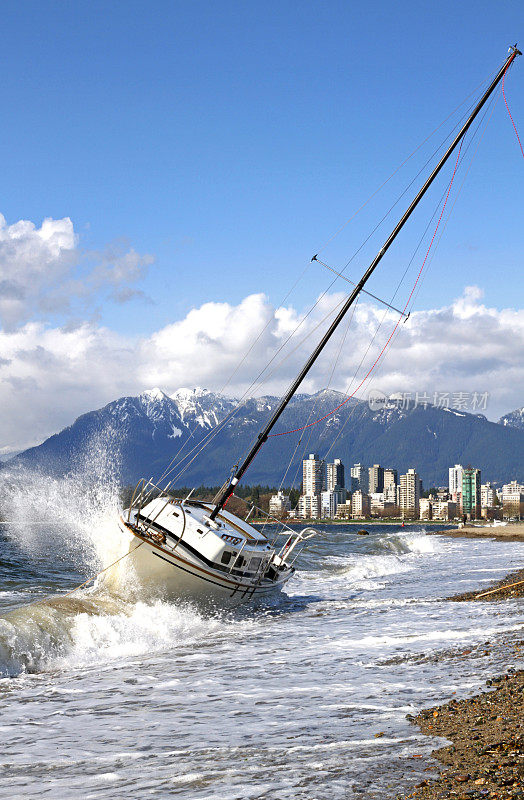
(510, 587)
(486, 756)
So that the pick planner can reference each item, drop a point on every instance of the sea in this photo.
(303, 696)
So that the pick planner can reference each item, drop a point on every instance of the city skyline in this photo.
(323, 494)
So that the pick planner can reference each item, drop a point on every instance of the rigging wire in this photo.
(509, 112)
(382, 320)
(364, 355)
(458, 162)
(172, 465)
(362, 245)
(459, 190)
(493, 104)
(214, 431)
(211, 434)
(284, 433)
(317, 400)
(346, 223)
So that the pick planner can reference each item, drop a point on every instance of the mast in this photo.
(228, 489)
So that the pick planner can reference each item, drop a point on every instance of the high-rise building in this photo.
(309, 506)
(376, 479)
(471, 492)
(390, 485)
(390, 478)
(409, 494)
(312, 474)
(360, 505)
(312, 480)
(359, 478)
(330, 501)
(487, 495)
(513, 499)
(437, 509)
(279, 504)
(335, 476)
(380, 506)
(425, 508)
(455, 481)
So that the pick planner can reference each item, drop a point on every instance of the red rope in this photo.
(366, 376)
(509, 112)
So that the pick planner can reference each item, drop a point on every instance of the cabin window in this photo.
(254, 564)
(226, 557)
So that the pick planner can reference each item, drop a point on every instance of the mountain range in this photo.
(142, 434)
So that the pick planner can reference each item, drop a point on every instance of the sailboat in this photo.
(199, 550)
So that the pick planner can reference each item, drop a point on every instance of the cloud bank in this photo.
(50, 374)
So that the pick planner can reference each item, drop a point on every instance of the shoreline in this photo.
(360, 522)
(485, 757)
(485, 754)
(512, 532)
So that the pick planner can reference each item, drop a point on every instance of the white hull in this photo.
(179, 574)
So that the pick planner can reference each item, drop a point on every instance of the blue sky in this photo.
(188, 156)
(229, 140)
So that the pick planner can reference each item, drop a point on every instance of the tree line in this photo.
(244, 497)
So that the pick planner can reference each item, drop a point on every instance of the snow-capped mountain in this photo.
(515, 419)
(202, 407)
(142, 434)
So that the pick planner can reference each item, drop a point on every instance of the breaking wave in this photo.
(68, 527)
(385, 555)
(95, 628)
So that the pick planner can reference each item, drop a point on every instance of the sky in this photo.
(169, 169)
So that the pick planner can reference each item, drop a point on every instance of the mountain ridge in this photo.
(147, 430)
(514, 419)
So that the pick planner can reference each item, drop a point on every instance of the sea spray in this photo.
(74, 516)
(70, 522)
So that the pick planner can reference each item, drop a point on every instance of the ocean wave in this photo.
(88, 628)
(386, 555)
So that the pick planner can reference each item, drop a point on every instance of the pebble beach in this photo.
(485, 754)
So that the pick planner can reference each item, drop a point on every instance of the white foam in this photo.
(395, 554)
(62, 635)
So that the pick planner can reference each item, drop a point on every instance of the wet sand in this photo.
(513, 532)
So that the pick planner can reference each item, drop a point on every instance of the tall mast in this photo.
(262, 437)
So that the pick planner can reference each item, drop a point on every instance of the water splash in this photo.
(74, 516)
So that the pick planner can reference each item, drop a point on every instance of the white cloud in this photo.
(32, 260)
(48, 376)
(42, 271)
